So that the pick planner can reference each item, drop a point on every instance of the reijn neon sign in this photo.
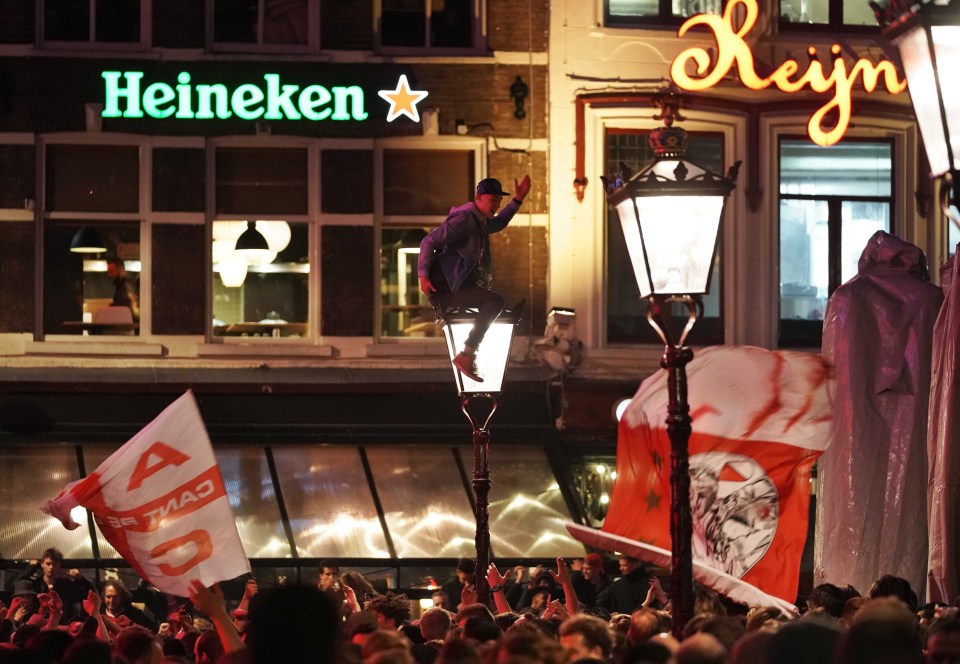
(733, 50)
(126, 97)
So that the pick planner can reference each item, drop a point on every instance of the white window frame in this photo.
(904, 219)
(591, 238)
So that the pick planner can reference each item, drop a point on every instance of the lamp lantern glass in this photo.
(928, 39)
(492, 355)
(670, 212)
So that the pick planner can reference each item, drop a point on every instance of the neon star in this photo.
(403, 100)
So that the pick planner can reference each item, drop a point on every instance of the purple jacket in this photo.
(462, 241)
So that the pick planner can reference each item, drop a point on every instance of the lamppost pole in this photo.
(675, 358)
(481, 490)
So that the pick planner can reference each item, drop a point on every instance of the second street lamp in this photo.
(492, 357)
(927, 36)
(670, 212)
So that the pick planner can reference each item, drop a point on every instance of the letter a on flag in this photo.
(161, 503)
(760, 420)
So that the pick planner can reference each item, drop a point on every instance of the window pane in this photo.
(29, 477)
(285, 22)
(426, 181)
(858, 13)
(690, 7)
(860, 221)
(633, 8)
(82, 295)
(848, 169)
(246, 476)
(438, 523)
(405, 310)
(17, 26)
(66, 20)
(266, 295)
(450, 22)
(261, 181)
(403, 23)
(17, 176)
(805, 11)
(527, 511)
(626, 313)
(804, 256)
(329, 503)
(179, 179)
(235, 21)
(93, 178)
(178, 24)
(118, 20)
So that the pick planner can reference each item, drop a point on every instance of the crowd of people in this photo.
(574, 613)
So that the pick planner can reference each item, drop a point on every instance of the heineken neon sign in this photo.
(126, 96)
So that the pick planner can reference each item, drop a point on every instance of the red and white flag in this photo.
(760, 420)
(161, 503)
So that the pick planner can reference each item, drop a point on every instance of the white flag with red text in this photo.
(161, 503)
(760, 420)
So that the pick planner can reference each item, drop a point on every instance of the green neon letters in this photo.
(249, 101)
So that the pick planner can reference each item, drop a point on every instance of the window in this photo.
(92, 189)
(636, 12)
(436, 24)
(816, 13)
(626, 321)
(832, 199)
(100, 21)
(261, 195)
(261, 294)
(277, 25)
(412, 208)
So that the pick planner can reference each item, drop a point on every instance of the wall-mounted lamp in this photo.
(88, 240)
(519, 92)
(580, 186)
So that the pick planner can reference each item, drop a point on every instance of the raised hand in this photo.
(91, 605)
(469, 594)
(250, 589)
(494, 578)
(562, 575)
(521, 188)
(208, 600)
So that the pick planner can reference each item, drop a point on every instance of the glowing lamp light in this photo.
(927, 35)
(253, 246)
(670, 213)
(233, 271)
(492, 355)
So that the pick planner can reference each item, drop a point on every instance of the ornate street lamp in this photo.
(927, 35)
(492, 357)
(670, 212)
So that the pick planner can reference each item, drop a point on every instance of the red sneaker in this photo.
(466, 364)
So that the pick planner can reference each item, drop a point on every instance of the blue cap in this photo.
(491, 186)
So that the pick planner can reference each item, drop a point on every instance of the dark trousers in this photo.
(488, 304)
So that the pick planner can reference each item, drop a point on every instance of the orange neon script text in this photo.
(731, 48)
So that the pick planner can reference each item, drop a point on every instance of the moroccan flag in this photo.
(161, 502)
(760, 420)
